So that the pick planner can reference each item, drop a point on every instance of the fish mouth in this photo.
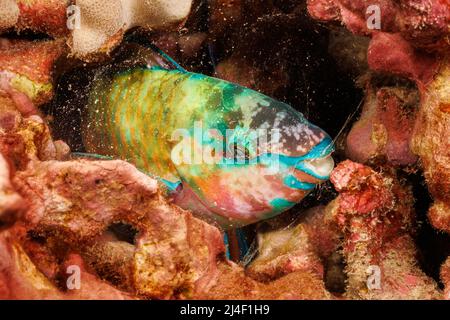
(319, 168)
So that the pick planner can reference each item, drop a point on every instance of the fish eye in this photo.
(239, 152)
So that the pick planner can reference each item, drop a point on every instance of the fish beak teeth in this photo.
(321, 166)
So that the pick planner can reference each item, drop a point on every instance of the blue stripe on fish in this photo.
(293, 182)
(320, 150)
(282, 204)
(171, 185)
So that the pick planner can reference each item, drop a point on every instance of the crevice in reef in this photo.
(124, 232)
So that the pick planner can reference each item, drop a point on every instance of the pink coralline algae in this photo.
(46, 16)
(375, 213)
(424, 23)
(89, 27)
(385, 127)
(407, 28)
(26, 70)
(392, 54)
(80, 212)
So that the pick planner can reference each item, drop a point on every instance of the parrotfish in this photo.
(223, 151)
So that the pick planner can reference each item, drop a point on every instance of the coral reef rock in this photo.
(432, 143)
(422, 22)
(295, 247)
(375, 214)
(21, 279)
(26, 69)
(173, 252)
(445, 276)
(407, 28)
(101, 27)
(385, 127)
(44, 16)
(30, 140)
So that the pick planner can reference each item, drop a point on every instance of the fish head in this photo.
(266, 160)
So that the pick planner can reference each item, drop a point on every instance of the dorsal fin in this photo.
(145, 42)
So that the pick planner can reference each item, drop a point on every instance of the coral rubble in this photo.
(44, 16)
(410, 41)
